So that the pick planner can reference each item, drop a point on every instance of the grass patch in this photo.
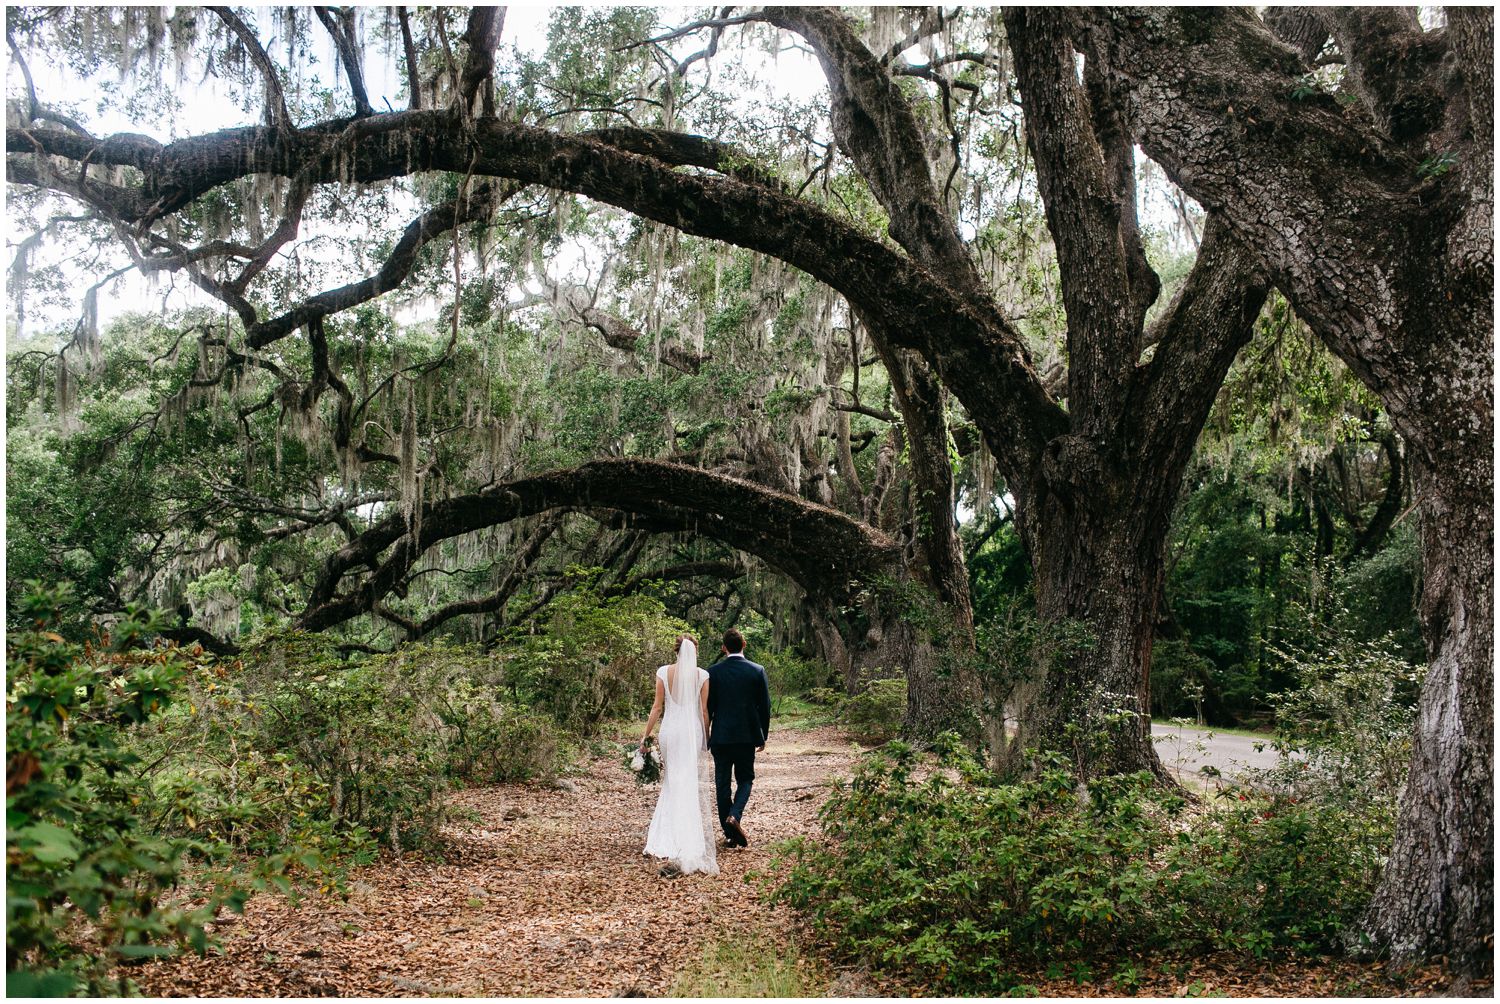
(754, 965)
(796, 713)
(1229, 730)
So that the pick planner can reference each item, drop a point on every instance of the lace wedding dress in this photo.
(680, 828)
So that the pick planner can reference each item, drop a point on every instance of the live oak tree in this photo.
(1371, 206)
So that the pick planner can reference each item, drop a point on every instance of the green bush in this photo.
(1302, 846)
(87, 874)
(875, 714)
(1344, 734)
(825, 697)
(942, 873)
(596, 660)
(790, 675)
(1270, 872)
(293, 746)
(492, 743)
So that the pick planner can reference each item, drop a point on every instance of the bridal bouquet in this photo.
(646, 766)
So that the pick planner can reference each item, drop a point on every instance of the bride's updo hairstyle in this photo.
(682, 638)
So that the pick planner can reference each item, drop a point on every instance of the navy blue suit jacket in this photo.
(739, 702)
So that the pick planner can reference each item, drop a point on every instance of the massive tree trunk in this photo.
(1096, 511)
(1098, 572)
(1437, 894)
(1377, 223)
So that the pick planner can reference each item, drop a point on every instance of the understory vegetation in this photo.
(934, 868)
(153, 788)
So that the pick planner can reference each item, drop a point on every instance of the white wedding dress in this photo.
(680, 828)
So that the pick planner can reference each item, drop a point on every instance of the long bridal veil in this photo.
(681, 829)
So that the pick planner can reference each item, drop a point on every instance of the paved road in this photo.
(1185, 749)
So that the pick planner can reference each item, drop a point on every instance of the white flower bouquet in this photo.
(646, 764)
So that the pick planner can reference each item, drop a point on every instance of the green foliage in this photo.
(1344, 732)
(940, 872)
(597, 659)
(78, 845)
(1307, 87)
(791, 675)
(1261, 873)
(491, 743)
(1245, 572)
(875, 714)
(1437, 165)
(955, 882)
(293, 745)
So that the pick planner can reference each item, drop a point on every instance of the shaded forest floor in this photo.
(544, 892)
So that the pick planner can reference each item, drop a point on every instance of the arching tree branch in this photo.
(874, 124)
(820, 548)
(725, 570)
(276, 112)
(973, 348)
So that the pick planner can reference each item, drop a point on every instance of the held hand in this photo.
(761, 748)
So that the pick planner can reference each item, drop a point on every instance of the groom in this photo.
(739, 716)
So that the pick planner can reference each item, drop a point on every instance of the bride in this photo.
(680, 828)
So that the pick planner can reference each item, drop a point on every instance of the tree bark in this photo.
(1437, 894)
(1096, 590)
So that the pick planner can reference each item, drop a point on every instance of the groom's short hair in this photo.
(733, 641)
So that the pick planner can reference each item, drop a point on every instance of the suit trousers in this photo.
(740, 759)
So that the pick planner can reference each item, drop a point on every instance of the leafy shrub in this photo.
(1302, 846)
(77, 843)
(875, 714)
(790, 675)
(1279, 872)
(825, 697)
(291, 745)
(492, 743)
(1344, 734)
(945, 874)
(597, 658)
(955, 881)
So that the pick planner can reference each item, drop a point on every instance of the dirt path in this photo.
(546, 894)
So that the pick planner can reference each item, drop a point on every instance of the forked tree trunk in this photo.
(1395, 273)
